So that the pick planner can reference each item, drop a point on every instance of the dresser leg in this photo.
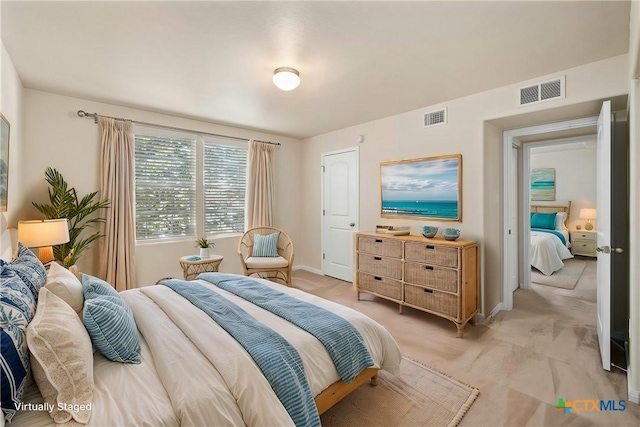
(460, 330)
(400, 308)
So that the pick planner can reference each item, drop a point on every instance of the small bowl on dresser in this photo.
(450, 233)
(429, 231)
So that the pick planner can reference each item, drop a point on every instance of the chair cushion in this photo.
(265, 246)
(266, 262)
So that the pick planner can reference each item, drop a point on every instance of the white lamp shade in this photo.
(38, 233)
(286, 78)
(588, 213)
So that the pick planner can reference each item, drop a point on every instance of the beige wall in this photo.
(56, 137)
(403, 137)
(12, 107)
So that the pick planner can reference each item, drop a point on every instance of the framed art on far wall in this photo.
(4, 162)
(425, 188)
(543, 184)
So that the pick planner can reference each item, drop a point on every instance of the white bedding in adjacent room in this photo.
(548, 251)
(194, 373)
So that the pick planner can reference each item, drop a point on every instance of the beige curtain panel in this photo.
(117, 175)
(260, 188)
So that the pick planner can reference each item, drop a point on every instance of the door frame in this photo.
(509, 138)
(355, 149)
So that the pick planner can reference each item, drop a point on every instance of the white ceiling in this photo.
(358, 61)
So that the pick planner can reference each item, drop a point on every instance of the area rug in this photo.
(417, 396)
(565, 278)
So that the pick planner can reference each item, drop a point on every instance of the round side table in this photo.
(192, 265)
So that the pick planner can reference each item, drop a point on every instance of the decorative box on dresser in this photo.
(434, 275)
(584, 243)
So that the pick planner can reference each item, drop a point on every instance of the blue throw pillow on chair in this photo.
(265, 246)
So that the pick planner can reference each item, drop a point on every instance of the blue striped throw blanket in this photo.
(343, 342)
(278, 360)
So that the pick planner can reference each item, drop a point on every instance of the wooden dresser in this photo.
(433, 275)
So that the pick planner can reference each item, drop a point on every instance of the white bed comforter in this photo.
(547, 252)
(194, 373)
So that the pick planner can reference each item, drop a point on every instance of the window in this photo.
(179, 176)
(225, 179)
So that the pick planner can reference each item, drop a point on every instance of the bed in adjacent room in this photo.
(201, 353)
(549, 237)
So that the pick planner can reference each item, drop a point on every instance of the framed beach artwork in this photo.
(426, 188)
(4, 162)
(543, 184)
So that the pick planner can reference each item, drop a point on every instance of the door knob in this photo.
(604, 249)
(617, 250)
(353, 224)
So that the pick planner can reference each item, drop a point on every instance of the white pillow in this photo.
(64, 284)
(560, 217)
(63, 359)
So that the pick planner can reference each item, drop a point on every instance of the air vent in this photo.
(435, 118)
(544, 91)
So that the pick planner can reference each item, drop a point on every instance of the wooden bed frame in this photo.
(338, 390)
(554, 208)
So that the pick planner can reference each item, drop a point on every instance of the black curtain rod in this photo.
(95, 116)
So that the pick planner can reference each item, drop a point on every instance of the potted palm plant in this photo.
(204, 246)
(64, 202)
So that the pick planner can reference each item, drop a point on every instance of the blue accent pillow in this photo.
(17, 307)
(93, 287)
(30, 269)
(543, 220)
(265, 246)
(109, 322)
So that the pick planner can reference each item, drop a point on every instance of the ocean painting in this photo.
(543, 184)
(422, 188)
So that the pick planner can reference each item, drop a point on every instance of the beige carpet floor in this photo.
(567, 277)
(522, 361)
(417, 396)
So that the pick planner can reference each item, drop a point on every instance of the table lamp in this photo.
(43, 234)
(588, 214)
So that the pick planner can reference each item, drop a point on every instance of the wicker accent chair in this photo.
(272, 268)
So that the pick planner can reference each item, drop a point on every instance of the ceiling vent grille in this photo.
(540, 92)
(435, 118)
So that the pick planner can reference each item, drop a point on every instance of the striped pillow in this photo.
(30, 269)
(109, 321)
(265, 246)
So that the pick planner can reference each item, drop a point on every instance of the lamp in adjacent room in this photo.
(588, 214)
(286, 78)
(43, 234)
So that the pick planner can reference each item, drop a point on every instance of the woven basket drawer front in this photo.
(431, 254)
(380, 266)
(380, 285)
(380, 246)
(440, 302)
(431, 276)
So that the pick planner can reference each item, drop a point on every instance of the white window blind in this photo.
(225, 178)
(165, 187)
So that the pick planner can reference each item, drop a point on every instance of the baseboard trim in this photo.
(634, 396)
(492, 313)
(307, 268)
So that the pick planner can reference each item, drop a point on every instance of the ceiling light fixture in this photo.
(286, 78)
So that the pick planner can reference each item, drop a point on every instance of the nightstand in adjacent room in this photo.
(584, 243)
(193, 265)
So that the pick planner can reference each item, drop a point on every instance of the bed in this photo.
(549, 237)
(191, 371)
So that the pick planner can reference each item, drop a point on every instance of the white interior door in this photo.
(340, 212)
(603, 206)
(513, 220)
